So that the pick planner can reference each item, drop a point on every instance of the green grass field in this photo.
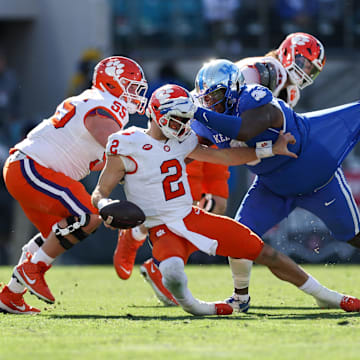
(98, 316)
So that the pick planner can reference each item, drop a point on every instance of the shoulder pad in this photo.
(253, 96)
(263, 73)
(122, 142)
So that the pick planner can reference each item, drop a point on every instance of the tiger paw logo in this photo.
(299, 40)
(164, 95)
(114, 68)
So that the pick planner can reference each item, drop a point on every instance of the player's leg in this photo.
(127, 246)
(59, 207)
(336, 207)
(173, 252)
(236, 240)
(152, 275)
(150, 268)
(260, 210)
(287, 270)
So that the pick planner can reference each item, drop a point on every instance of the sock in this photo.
(241, 298)
(15, 286)
(32, 246)
(320, 292)
(241, 271)
(175, 280)
(40, 255)
(138, 234)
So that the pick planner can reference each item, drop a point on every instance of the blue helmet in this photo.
(216, 81)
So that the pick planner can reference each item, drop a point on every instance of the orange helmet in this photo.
(303, 57)
(122, 78)
(175, 127)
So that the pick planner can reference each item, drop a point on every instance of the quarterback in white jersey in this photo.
(43, 171)
(151, 163)
(288, 69)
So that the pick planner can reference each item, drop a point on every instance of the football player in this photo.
(284, 71)
(315, 182)
(151, 162)
(43, 173)
(288, 69)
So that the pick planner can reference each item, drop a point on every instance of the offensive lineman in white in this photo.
(151, 163)
(43, 171)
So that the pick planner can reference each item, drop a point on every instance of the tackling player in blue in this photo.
(235, 114)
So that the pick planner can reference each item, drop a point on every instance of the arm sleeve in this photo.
(227, 125)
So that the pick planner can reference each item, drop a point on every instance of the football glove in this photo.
(181, 106)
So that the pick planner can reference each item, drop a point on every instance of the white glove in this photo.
(181, 106)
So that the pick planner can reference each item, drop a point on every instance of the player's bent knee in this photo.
(80, 227)
(172, 271)
(268, 256)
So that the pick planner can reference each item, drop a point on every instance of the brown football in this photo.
(122, 214)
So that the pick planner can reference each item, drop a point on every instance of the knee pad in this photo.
(74, 227)
(174, 277)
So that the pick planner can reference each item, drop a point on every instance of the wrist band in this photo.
(264, 149)
(102, 202)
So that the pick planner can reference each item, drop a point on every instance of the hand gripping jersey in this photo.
(323, 139)
(159, 185)
(290, 93)
(62, 142)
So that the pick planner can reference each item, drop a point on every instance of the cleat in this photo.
(223, 309)
(125, 253)
(32, 276)
(152, 275)
(350, 304)
(237, 304)
(13, 303)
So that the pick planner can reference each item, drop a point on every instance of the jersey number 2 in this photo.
(168, 191)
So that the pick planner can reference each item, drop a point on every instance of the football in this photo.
(122, 214)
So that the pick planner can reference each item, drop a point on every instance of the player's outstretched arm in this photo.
(243, 155)
(110, 176)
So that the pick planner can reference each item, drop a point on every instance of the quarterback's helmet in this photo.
(303, 57)
(122, 78)
(218, 81)
(175, 127)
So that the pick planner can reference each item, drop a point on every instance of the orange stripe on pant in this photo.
(41, 209)
(234, 239)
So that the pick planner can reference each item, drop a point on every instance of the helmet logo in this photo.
(299, 40)
(163, 95)
(114, 68)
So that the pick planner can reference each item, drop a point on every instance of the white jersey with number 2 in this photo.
(158, 184)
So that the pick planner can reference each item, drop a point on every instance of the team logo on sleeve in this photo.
(258, 94)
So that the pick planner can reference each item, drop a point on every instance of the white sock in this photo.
(175, 280)
(15, 286)
(318, 291)
(241, 271)
(40, 255)
(138, 234)
(241, 298)
(30, 247)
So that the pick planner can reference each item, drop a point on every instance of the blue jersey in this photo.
(323, 139)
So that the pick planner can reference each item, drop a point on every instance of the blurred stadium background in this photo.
(51, 46)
